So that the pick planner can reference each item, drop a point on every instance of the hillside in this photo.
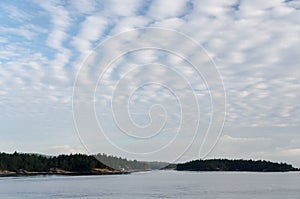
(235, 165)
(73, 164)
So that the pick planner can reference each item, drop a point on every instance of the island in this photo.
(24, 164)
(235, 165)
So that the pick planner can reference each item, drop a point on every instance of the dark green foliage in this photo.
(85, 163)
(34, 162)
(234, 165)
(73, 162)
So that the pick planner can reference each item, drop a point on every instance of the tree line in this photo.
(85, 163)
(41, 163)
(73, 162)
(234, 165)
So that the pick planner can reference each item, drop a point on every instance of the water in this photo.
(156, 184)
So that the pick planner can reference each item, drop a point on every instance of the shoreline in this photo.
(62, 173)
(98, 173)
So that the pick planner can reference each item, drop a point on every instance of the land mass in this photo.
(235, 165)
(24, 164)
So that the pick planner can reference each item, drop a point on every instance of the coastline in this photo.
(24, 173)
(116, 172)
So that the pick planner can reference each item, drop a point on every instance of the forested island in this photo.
(235, 165)
(24, 164)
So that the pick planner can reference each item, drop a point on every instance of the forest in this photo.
(16, 162)
(235, 165)
(73, 162)
(39, 163)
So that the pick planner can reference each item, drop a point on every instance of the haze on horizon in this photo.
(255, 46)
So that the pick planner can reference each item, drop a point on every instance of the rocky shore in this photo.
(95, 171)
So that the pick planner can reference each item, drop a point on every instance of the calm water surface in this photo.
(157, 184)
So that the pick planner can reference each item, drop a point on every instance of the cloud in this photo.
(24, 31)
(291, 152)
(254, 44)
(241, 146)
(130, 23)
(288, 155)
(67, 149)
(228, 138)
(89, 6)
(91, 30)
(126, 8)
(60, 19)
(15, 14)
(160, 10)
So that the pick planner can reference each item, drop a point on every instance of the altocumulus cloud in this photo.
(254, 44)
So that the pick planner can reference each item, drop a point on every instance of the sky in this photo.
(254, 46)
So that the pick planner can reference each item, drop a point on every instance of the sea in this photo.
(156, 184)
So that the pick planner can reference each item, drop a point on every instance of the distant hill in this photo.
(40, 163)
(75, 163)
(122, 163)
(234, 165)
(79, 164)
